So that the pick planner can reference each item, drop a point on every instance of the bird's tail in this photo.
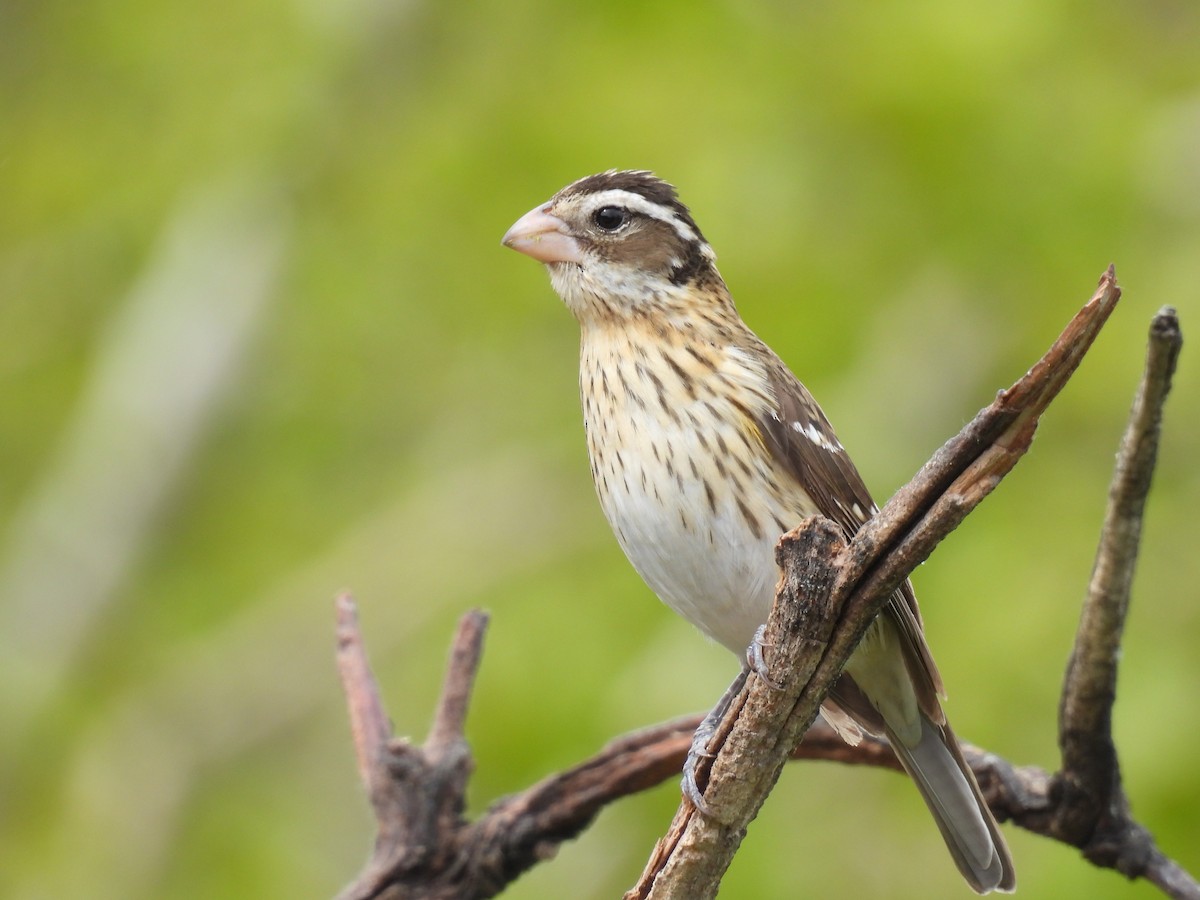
(937, 766)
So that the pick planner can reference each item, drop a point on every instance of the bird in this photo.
(705, 449)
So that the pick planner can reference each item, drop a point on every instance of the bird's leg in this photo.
(699, 749)
(757, 660)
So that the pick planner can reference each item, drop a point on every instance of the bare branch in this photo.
(690, 859)
(450, 721)
(1092, 810)
(368, 721)
(418, 794)
(971, 464)
(1085, 716)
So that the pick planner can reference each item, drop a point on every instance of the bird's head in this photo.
(617, 243)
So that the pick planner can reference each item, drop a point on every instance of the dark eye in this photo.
(610, 218)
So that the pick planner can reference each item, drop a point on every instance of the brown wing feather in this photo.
(826, 473)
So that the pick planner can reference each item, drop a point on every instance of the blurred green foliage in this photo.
(259, 342)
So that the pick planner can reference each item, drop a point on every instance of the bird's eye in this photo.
(610, 218)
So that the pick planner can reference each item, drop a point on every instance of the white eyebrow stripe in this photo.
(638, 203)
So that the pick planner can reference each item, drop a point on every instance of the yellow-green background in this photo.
(259, 342)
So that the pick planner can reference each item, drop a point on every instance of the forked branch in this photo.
(829, 592)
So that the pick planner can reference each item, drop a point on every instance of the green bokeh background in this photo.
(259, 342)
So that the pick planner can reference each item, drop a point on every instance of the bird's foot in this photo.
(757, 660)
(699, 750)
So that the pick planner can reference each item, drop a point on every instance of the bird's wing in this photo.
(800, 438)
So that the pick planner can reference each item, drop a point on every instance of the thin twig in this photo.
(1085, 715)
(970, 465)
(1092, 811)
(450, 720)
(369, 725)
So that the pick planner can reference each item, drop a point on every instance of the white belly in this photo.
(674, 493)
(716, 575)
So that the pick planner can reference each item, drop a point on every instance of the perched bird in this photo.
(705, 448)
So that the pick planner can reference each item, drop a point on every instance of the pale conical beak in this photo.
(544, 237)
